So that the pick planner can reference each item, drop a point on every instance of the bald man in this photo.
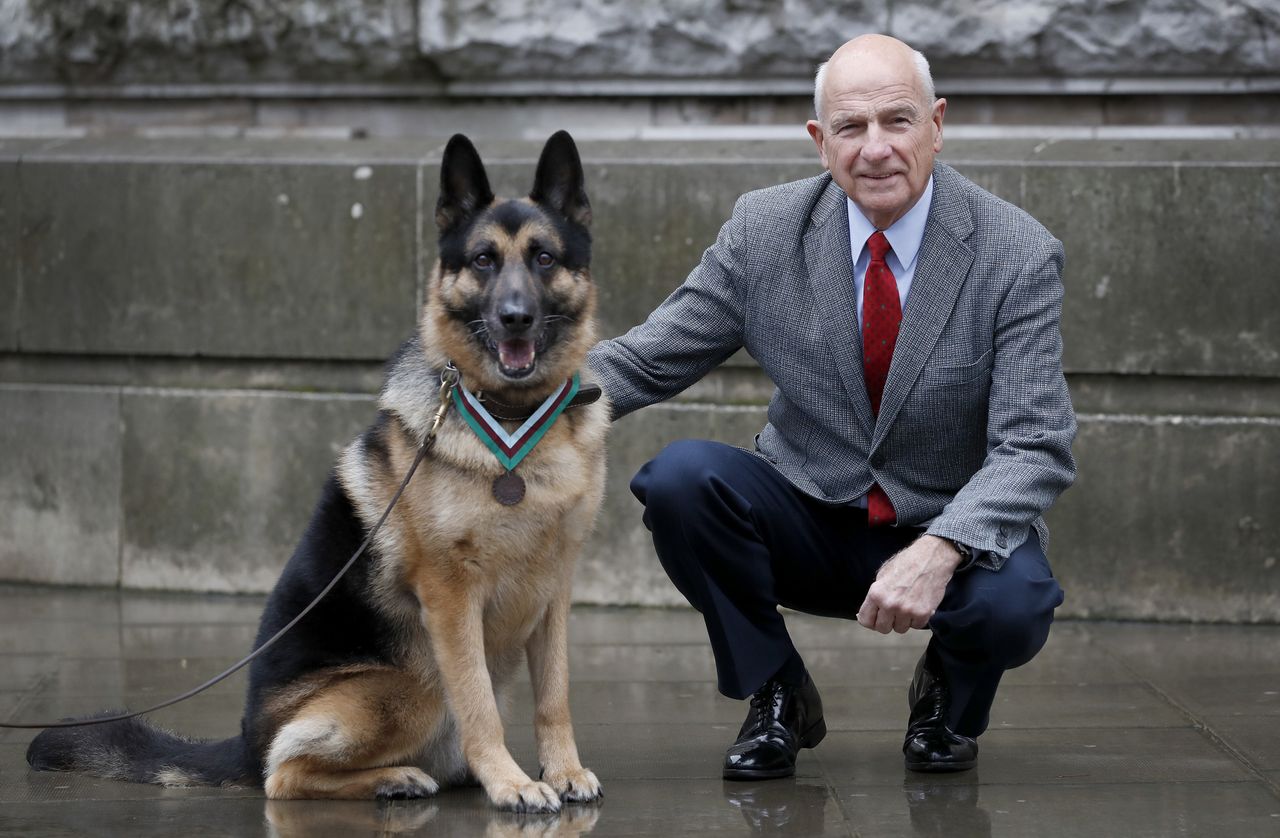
(919, 427)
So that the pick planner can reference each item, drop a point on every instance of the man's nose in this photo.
(877, 145)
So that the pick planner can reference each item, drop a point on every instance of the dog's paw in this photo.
(576, 785)
(405, 783)
(527, 796)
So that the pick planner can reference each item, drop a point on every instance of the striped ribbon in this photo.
(511, 448)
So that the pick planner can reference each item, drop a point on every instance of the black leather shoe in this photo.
(783, 719)
(931, 745)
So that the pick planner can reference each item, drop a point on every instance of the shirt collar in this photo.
(904, 235)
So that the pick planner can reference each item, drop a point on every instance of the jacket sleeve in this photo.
(689, 334)
(1030, 421)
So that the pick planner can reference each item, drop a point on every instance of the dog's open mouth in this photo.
(516, 357)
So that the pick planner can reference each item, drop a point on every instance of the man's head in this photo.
(878, 125)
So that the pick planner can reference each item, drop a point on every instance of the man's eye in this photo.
(545, 259)
(483, 261)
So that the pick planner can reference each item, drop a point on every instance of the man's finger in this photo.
(867, 615)
(884, 621)
(902, 623)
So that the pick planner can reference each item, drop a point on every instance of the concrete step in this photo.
(191, 329)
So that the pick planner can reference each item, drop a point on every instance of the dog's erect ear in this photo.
(559, 183)
(464, 187)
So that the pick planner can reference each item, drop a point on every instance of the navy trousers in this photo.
(738, 540)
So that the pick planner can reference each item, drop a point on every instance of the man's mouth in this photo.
(879, 176)
(516, 357)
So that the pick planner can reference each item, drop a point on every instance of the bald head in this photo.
(878, 125)
(880, 54)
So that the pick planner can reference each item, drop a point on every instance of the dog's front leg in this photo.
(548, 653)
(457, 638)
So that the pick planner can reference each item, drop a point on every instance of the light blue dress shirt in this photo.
(904, 237)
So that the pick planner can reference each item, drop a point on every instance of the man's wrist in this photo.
(949, 547)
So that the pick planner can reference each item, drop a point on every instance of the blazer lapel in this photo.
(830, 265)
(941, 267)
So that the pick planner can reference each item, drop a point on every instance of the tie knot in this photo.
(879, 246)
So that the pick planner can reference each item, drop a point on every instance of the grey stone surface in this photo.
(1161, 265)
(218, 487)
(618, 564)
(204, 40)
(10, 275)
(237, 258)
(90, 41)
(1171, 518)
(1104, 758)
(60, 479)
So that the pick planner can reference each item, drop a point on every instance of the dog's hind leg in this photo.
(350, 740)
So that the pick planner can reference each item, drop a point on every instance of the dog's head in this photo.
(512, 303)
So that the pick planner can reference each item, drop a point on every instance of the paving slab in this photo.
(1061, 755)
(1104, 734)
(1134, 810)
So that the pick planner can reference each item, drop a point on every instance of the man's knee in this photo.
(1016, 630)
(678, 476)
(1006, 617)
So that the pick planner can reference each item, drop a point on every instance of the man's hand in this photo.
(910, 585)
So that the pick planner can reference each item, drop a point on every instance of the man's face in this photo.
(877, 136)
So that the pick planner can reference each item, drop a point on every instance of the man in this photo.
(919, 427)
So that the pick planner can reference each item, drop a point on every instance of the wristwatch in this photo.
(966, 554)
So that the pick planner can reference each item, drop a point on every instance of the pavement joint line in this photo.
(1202, 727)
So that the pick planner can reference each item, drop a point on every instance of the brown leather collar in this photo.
(587, 394)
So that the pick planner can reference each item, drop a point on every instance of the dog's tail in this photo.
(140, 753)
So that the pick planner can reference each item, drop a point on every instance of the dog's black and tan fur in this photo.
(391, 687)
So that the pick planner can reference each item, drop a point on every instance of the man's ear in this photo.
(815, 131)
(559, 183)
(939, 111)
(464, 186)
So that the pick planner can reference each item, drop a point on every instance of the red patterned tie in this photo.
(881, 315)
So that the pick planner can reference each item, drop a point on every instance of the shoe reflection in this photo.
(299, 818)
(946, 806)
(780, 807)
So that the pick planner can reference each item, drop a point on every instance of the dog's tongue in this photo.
(515, 354)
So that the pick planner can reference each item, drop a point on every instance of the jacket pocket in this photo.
(953, 375)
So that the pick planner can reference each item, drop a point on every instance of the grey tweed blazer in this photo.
(973, 440)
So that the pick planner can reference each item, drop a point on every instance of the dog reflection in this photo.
(307, 818)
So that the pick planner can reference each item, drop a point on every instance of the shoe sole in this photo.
(809, 739)
(941, 767)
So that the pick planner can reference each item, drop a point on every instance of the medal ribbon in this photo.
(511, 448)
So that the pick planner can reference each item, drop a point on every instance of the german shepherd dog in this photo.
(391, 686)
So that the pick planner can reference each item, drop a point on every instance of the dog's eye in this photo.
(483, 261)
(545, 259)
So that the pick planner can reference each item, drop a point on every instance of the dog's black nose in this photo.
(515, 317)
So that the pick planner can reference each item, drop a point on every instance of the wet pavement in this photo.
(1124, 729)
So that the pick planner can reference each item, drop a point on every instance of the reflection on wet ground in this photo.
(1116, 729)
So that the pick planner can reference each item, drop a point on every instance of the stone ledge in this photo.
(315, 250)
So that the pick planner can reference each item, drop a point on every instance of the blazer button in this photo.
(1001, 541)
(877, 461)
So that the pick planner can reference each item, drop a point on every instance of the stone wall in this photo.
(190, 332)
(203, 41)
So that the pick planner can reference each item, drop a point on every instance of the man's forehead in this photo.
(855, 103)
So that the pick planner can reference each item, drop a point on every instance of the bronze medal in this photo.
(508, 488)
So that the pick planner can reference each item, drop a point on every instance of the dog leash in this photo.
(448, 380)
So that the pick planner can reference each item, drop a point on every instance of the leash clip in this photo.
(449, 378)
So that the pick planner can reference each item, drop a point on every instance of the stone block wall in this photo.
(190, 331)
(210, 41)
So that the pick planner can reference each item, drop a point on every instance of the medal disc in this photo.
(508, 488)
